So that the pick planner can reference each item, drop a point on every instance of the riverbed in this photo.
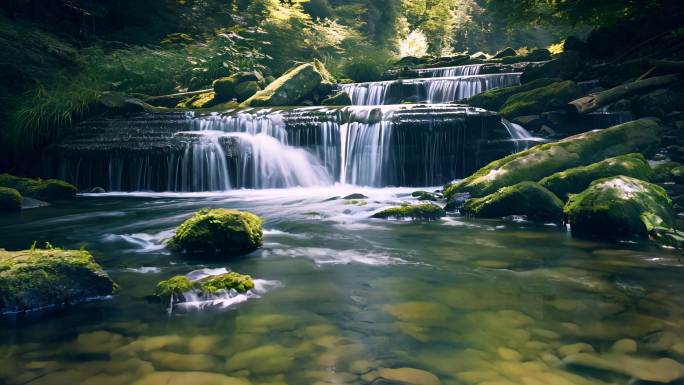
(346, 299)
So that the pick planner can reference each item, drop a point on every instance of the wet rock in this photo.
(176, 361)
(148, 344)
(625, 345)
(546, 159)
(177, 288)
(425, 196)
(550, 97)
(10, 199)
(495, 98)
(355, 196)
(203, 344)
(422, 313)
(288, 89)
(424, 211)
(564, 67)
(97, 190)
(506, 52)
(361, 367)
(663, 172)
(39, 278)
(185, 378)
(245, 90)
(456, 201)
(619, 206)
(577, 179)
(203, 100)
(409, 376)
(268, 359)
(580, 347)
(44, 189)
(339, 99)
(218, 231)
(524, 198)
(529, 122)
(508, 354)
(102, 342)
(663, 370)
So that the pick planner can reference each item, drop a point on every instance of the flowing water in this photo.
(341, 296)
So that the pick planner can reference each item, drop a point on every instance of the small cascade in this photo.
(439, 72)
(202, 167)
(519, 135)
(427, 90)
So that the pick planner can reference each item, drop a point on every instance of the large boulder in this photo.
(619, 207)
(549, 97)
(43, 189)
(506, 52)
(175, 289)
(288, 89)
(577, 179)
(40, 278)
(495, 98)
(203, 100)
(245, 90)
(424, 211)
(218, 231)
(525, 198)
(564, 67)
(10, 199)
(546, 159)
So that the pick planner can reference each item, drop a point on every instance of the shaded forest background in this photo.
(59, 56)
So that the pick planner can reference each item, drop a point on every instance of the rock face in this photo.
(288, 89)
(218, 231)
(525, 198)
(546, 159)
(48, 189)
(618, 207)
(34, 279)
(495, 98)
(425, 211)
(176, 288)
(550, 97)
(10, 199)
(577, 179)
(564, 67)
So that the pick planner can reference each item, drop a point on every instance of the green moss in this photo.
(662, 172)
(223, 231)
(245, 90)
(619, 207)
(426, 211)
(495, 98)
(239, 282)
(288, 89)
(546, 159)
(525, 198)
(550, 97)
(45, 189)
(173, 287)
(224, 88)
(577, 179)
(37, 278)
(203, 100)
(425, 196)
(10, 199)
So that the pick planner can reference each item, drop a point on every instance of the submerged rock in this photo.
(193, 377)
(525, 198)
(10, 199)
(218, 231)
(288, 89)
(577, 179)
(44, 189)
(408, 376)
(176, 288)
(355, 196)
(535, 101)
(546, 159)
(663, 370)
(424, 211)
(39, 278)
(619, 206)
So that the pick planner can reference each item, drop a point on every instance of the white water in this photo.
(465, 70)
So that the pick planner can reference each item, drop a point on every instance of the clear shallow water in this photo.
(470, 301)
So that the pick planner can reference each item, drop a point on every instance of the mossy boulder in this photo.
(424, 211)
(10, 199)
(525, 198)
(218, 231)
(288, 89)
(40, 278)
(577, 179)
(339, 99)
(619, 207)
(43, 189)
(543, 160)
(564, 67)
(495, 98)
(662, 172)
(506, 52)
(203, 100)
(245, 90)
(176, 288)
(425, 196)
(224, 88)
(535, 101)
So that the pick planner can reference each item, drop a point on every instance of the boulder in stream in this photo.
(424, 211)
(495, 98)
(619, 207)
(339, 99)
(44, 189)
(176, 288)
(535, 101)
(10, 199)
(218, 231)
(40, 278)
(288, 89)
(525, 198)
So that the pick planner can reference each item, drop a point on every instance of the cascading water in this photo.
(465, 70)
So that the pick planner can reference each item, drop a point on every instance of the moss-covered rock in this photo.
(564, 67)
(424, 211)
(212, 231)
(339, 99)
(10, 199)
(619, 207)
(546, 159)
(44, 189)
(245, 90)
(506, 52)
(39, 278)
(524, 198)
(203, 100)
(425, 196)
(577, 179)
(495, 98)
(288, 89)
(176, 288)
(550, 97)
(662, 172)
(224, 88)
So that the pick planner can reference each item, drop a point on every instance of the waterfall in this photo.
(519, 135)
(465, 70)
(427, 90)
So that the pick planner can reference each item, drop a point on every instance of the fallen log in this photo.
(592, 102)
(170, 100)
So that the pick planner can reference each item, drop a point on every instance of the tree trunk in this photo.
(594, 101)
